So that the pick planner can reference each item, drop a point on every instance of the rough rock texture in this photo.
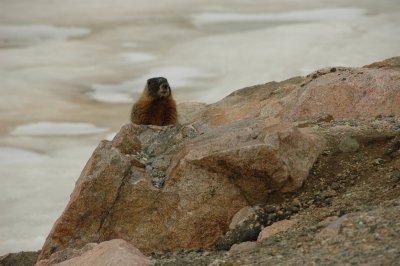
(338, 92)
(113, 252)
(187, 112)
(65, 254)
(245, 226)
(346, 212)
(166, 188)
(181, 185)
(241, 216)
(244, 246)
(248, 222)
(391, 63)
(275, 228)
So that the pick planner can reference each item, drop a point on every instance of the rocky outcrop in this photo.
(180, 185)
(164, 188)
(335, 93)
(362, 185)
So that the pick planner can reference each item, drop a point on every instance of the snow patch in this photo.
(38, 32)
(315, 15)
(178, 77)
(14, 155)
(53, 128)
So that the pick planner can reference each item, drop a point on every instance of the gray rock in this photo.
(348, 144)
(249, 245)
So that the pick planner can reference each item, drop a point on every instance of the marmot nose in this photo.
(164, 86)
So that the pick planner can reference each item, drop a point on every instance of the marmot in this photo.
(156, 105)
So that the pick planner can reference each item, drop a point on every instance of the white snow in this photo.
(39, 32)
(34, 191)
(325, 14)
(138, 57)
(107, 93)
(9, 155)
(56, 128)
(179, 76)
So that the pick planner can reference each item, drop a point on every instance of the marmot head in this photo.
(158, 87)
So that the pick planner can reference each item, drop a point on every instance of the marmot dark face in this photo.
(158, 87)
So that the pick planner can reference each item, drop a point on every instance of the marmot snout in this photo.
(156, 105)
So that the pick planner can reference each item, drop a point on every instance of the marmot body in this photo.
(156, 105)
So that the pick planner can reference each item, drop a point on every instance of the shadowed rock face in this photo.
(163, 188)
(21, 258)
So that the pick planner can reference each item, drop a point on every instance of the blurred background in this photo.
(70, 71)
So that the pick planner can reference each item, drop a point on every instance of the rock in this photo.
(326, 221)
(166, 188)
(270, 209)
(230, 151)
(23, 258)
(208, 178)
(396, 164)
(268, 100)
(274, 229)
(189, 112)
(395, 176)
(321, 117)
(331, 227)
(113, 252)
(391, 63)
(335, 185)
(344, 94)
(217, 262)
(328, 193)
(65, 254)
(348, 144)
(296, 203)
(366, 237)
(394, 147)
(249, 245)
(378, 161)
(361, 95)
(245, 226)
(241, 216)
(126, 140)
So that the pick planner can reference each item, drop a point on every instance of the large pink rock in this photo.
(337, 91)
(113, 252)
(275, 228)
(347, 93)
(164, 188)
(209, 175)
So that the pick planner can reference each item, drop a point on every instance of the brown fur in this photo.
(154, 109)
